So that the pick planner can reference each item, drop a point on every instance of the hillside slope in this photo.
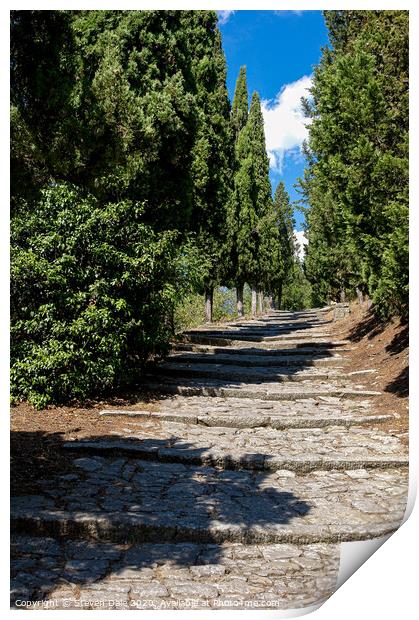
(383, 346)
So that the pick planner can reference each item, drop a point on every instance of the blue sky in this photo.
(279, 49)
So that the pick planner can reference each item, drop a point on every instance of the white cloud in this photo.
(285, 124)
(284, 13)
(272, 160)
(301, 241)
(224, 16)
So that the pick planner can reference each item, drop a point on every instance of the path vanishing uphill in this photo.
(261, 455)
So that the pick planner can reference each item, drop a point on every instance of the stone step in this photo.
(253, 360)
(263, 350)
(299, 450)
(160, 576)
(251, 375)
(275, 320)
(251, 418)
(273, 329)
(274, 324)
(284, 323)
(264, 330)
(202, 336)
(279, 315)
(323, 309)
(224, 497)
(268, 391)
(218, 340)
(124, 500)
(249, 413)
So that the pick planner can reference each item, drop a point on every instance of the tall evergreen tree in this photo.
(213, 150)
(44, 64)
(357, 176)
(253, 200)
(284, 260)
(105, 100)
(239, 114)
(240, 106)
(140, 110)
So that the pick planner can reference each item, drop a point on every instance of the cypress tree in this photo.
(105, 100)
(240, 107)
(285, 258)
(239, 114)
(357, 175)
(213, 149)
(142, 113)
(44, 63)
(253, 199)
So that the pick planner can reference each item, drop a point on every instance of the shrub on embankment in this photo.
(93, 291)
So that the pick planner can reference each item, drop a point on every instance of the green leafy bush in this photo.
(93, 292)
(297, 291)
(189, 313)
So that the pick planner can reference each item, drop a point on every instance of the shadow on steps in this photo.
(115, 502)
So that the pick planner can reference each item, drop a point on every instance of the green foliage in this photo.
(357, 175)
(189, 313)
(392, 290)
(296, 291)
(251, 222)
(44, 99)
(240, 107)
(224, 303)
(142, 113)
(93, 289)
(282, 258)
(121, 158)
(108, 103)
(213, 151)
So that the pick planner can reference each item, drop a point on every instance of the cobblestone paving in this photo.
(124, 499)
(251, 375)
(248, 413)
(171, 576)
(255, 448)
(261, 389)
(233, 493)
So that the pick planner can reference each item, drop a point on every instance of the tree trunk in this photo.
(342, 296)
(254, 301)
(239, 292)
(279, 293)
(260, 301)
(172, 322)
(209, 294)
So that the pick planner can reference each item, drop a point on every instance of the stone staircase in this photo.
(262, 456)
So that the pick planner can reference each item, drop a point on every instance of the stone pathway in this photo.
(249, 413)
(233, 492)
(253, 448)
(172, 576)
